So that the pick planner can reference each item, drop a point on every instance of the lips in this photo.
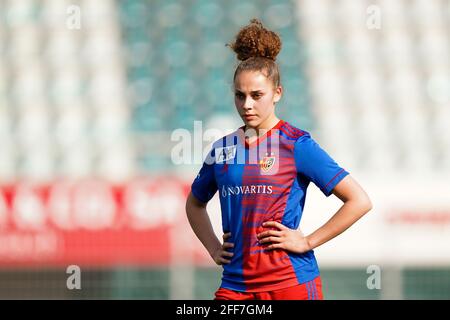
(249, 116)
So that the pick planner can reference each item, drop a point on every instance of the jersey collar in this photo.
(260, 139)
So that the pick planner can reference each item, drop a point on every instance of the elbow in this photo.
(361, 205)
(369, 206)
(365, 205)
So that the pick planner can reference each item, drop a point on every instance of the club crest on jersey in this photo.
(225, 153)
(267, 162)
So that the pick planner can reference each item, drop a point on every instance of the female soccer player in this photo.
(262, 172)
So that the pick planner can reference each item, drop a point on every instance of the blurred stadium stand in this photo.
(101, 102)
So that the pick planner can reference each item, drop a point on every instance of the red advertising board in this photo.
(89, 222)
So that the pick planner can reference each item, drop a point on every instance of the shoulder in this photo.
(293, 133)
(227, 140)
(226, 143)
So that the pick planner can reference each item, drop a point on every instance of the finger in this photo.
(275, 224)
(224, 261)
(269, 233)
(226, 235)
(270, 239)
(227, 254)
(227, 245)
(275, 246)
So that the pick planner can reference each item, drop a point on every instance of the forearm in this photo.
(350, 212)
(202, 227)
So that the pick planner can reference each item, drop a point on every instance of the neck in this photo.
(266, 125)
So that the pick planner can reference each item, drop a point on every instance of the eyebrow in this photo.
(254, 91)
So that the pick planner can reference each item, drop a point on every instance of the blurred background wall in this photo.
(91, 93)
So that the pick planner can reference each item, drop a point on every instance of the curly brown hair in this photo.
(257, 49)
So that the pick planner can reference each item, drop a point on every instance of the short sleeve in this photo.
(204, 186)
(316, 165)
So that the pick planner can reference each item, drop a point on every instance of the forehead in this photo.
(251, 81)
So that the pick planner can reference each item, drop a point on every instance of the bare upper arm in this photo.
(192, 200)
(349, 189)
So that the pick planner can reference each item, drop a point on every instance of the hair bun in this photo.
(254, 40)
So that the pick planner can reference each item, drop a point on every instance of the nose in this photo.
(248, 103)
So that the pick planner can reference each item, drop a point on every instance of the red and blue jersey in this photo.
(265, 181)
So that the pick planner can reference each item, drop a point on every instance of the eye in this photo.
(256, 96)
(239, 95)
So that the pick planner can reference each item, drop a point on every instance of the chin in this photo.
(252, 123)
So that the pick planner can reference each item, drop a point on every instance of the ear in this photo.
(278, 93)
